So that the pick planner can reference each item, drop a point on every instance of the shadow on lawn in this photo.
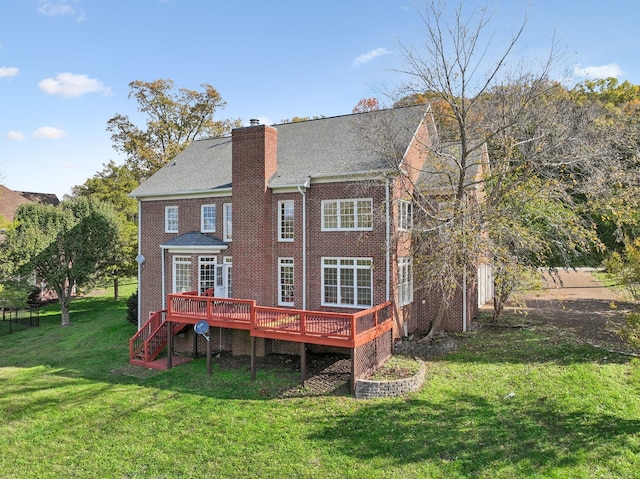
(534, 343)
(470, 434)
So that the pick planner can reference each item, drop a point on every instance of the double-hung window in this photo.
(347, 215)
(285, 220)
(227, 233)
(170, 219)
(181, 274)
(405, 215)
(285, 281)
(208, 218)
(405, 280)
(347, 282)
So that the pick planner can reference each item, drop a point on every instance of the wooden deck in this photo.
(348, 330)
(344, 330)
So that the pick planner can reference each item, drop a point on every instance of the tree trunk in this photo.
(115, 289)
(498, 307)
(64, 311)
(437, 322)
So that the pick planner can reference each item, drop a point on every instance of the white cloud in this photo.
(367, 57)
(601, 71)
(9, 71)
(49, 133)
(70, 85)
(52, 8)
(15, 136)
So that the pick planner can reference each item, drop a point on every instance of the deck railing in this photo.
(327, 328)
(148, 337)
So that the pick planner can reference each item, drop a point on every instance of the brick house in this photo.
(10, 200)
(305, 215)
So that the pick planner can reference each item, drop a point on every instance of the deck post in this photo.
(253, 358)
(195, 345)
(303, 362)
(353, 371)
(209, 352)
(169, 344)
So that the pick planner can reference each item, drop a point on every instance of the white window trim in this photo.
(405, 280)
(338, 202)
(227, 223)
(282, 262)
(202, 225)
(355, 267)
(405, 215)
(282, 205)
(167, 229)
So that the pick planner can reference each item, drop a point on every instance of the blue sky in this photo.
(65, 65)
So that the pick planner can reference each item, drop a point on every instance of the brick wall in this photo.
(152, 225)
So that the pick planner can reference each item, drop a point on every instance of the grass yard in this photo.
(512, 403)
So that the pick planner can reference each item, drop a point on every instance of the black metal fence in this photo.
(14, 320)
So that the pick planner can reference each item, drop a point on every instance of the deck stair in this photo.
(147, 344)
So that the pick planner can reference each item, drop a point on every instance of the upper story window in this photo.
(285, 220)
(347, 215)
(405, 215)
(208, 218)
(170, 219)
(227, 225)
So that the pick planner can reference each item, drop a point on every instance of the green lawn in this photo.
(509, 404)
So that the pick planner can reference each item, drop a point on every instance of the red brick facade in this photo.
(256, 249)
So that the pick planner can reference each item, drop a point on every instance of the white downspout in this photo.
(164, 300)
(302, 191)
(388, 241)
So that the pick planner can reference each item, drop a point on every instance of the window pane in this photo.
(347, 217)
(171, 219)
(346, 286)
(207, 273)
(208, 218)
(181, 274)
(286, 284)
(330, 216)
(285, 220)
(365, 214)
(228, 224)
(330, 284)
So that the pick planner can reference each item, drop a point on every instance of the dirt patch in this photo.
(578, 304)
(327, 374)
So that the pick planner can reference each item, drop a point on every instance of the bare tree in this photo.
(509, 138)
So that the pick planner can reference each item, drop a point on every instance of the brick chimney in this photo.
(254, 161)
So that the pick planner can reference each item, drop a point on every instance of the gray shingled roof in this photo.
(194, 238)
(320, 148)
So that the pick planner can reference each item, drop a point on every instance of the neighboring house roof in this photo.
(10, 201)
(323, 148)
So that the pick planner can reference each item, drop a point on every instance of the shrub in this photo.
(630, 331)
(132, 308)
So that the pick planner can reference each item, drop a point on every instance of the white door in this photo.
(222, 283)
